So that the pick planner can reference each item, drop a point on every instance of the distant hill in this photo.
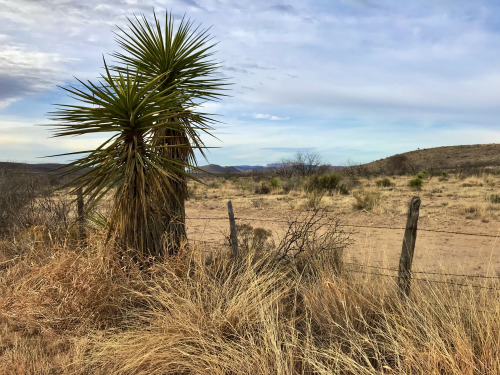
(439, 158)
(32, 168)
(217, 169)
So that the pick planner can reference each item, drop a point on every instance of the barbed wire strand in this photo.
(352, 226)
(426, 272)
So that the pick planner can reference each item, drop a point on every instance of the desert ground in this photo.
(449, 204)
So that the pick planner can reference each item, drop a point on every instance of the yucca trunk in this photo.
(175, 147)
(136, 216)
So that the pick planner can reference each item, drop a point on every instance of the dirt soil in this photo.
(451, 205)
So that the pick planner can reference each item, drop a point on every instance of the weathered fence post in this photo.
(410, 237)
(232, 225)
(80, 213)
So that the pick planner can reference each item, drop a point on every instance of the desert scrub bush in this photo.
(416, 183)
(473, 211)
(192, 190)
(243, 183)
(292, 183)
(314, 235)
(263, 188)
(274, 183)
(258, 202)
(422, 175)
(253, 239)
(313, 199)
(473, 182)
(366, 199)
(214, 185)
(385, 182)
(444, 176)
(327, 183)
(343, 189)
(495, 198)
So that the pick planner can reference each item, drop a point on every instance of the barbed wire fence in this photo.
(377, 270)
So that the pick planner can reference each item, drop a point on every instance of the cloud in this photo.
(25, 72)
(282, 8)
(265, 116)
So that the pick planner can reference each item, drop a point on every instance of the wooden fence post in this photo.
(410, 237)
(232, 225)
(80, 213)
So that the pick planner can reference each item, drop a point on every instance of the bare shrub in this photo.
(314, 235)
(366, 199)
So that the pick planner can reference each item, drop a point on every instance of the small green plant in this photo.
(385, 182)
(495, 198)
(274, 183)
(422, 175)
(416, 183)
(314, 199)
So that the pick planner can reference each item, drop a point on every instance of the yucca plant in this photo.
(149, 102)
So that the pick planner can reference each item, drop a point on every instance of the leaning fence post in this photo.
(409, 239)
(232, 225)
(80, 213)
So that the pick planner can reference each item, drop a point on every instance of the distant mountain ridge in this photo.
(445, 157)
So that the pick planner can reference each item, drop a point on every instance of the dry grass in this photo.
(69, 309)
(66, 311)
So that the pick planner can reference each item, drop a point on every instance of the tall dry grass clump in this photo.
(87, 311)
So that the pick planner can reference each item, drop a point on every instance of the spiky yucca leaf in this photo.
(132, 111)
(182, 57)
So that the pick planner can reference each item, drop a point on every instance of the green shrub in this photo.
(262, 189)
(326, 183)
(385, 182)
(495, 198)
(274, 183)
(416, 183)
(422, 174)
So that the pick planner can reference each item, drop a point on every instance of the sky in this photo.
(351, 80)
